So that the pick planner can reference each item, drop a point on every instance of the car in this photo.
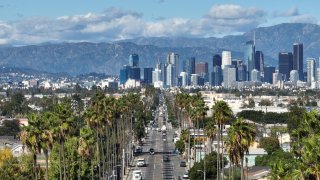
(183, 164)
(137, 174)
(141, 162)
(138, 149)
(151, 151)
(166, 158)
(185, 176)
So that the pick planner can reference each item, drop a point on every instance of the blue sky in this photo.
(37, 21)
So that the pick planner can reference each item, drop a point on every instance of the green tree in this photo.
(270, 144)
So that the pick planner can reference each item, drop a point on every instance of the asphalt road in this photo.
(156, 169)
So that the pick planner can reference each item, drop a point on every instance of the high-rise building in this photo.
(311, 70)
(173, 58)
(134, 60)
(216, 60)
(216, 76)
(229, 76)
(241, 72)
(276, 77)
(147, 75)
(268, 71)
(156, 75)
(298, 59)
(249, 57)
(189, 66)
(285, 64)
(123, 76)
(171, 78)
(164, 73)
(194, 80)
(294, 76)
(255, 75)
(226, 59)
(259, 61)
(202, 70)
(184, 78)
(135, 73)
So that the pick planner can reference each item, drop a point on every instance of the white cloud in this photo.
(114, 24)
(304, 18)
(288, 13)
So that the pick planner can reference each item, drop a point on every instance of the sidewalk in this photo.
(128, 170)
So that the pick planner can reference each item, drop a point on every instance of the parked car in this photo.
(185, 176)
(141, 162)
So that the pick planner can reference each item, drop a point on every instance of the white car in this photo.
(137, 175)
(141, 162)
(185, 176)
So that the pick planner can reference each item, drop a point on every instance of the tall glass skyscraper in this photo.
(216, 60)
(311, 70)
(285, 64)
(189, 66)
(216, 76)
(259, 61)
(268, 71)
(249, 57)
(147, 75)
(134, 60)
(298, 59)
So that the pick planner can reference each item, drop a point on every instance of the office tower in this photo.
(184, 78)
(276, 77)
(173, 58)
(259, 61)
(311, 70)
(189, 66)
(249, 57)
(202, 71)
(147, 75)
(135, 73)
(298, 59)
(241, 72)
(255, 75)
(294, 76)
(164, 73)
(216, 76)
(318, 74)
(194, 80)
(134, 60)
(268, 71)
(285, 64)
(171, 78)
(156, 75)
(229, 76)
(216, 60)
(123, 76)
(226, 58)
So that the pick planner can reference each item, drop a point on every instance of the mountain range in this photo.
(86, 57)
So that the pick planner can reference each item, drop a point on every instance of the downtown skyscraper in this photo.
(298, 59)
(249, 57)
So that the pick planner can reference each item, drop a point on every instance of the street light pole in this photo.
(204, 174)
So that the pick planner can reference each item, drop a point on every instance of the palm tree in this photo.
(240, 137)
(30, 137)
(86, 142)
(65, 124)
(222, 114)
(211, 131)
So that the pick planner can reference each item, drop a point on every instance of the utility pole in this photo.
(123, 163)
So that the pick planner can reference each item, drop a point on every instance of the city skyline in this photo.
(35, 22)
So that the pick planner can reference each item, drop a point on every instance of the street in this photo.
(156, 168)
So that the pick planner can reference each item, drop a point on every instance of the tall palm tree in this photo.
(30, 137)
(222, 114)
(85, 149)
(210, 130)
(240, 137)
(65, 123)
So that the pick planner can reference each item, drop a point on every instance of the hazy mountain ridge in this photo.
(84, 57)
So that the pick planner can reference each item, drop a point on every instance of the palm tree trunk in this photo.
(222, 154)
(47, 166)
(60, 171)
(218, 154)
(103, 159)
(241, 169)
(98, 152)
(35, 165)
(63, 161)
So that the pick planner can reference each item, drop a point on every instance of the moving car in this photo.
(141, 162)
(183, 164)
(151, 151)
(185, 176)
(137, 174)
(166, 158)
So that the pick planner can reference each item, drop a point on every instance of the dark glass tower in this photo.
(216, 60)
(298, 59)
(268, 71)
(249, 57)
(134, 60)
(147, 75)
(216, 76)
(259, 61)
(189, 66)
(285, 64)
